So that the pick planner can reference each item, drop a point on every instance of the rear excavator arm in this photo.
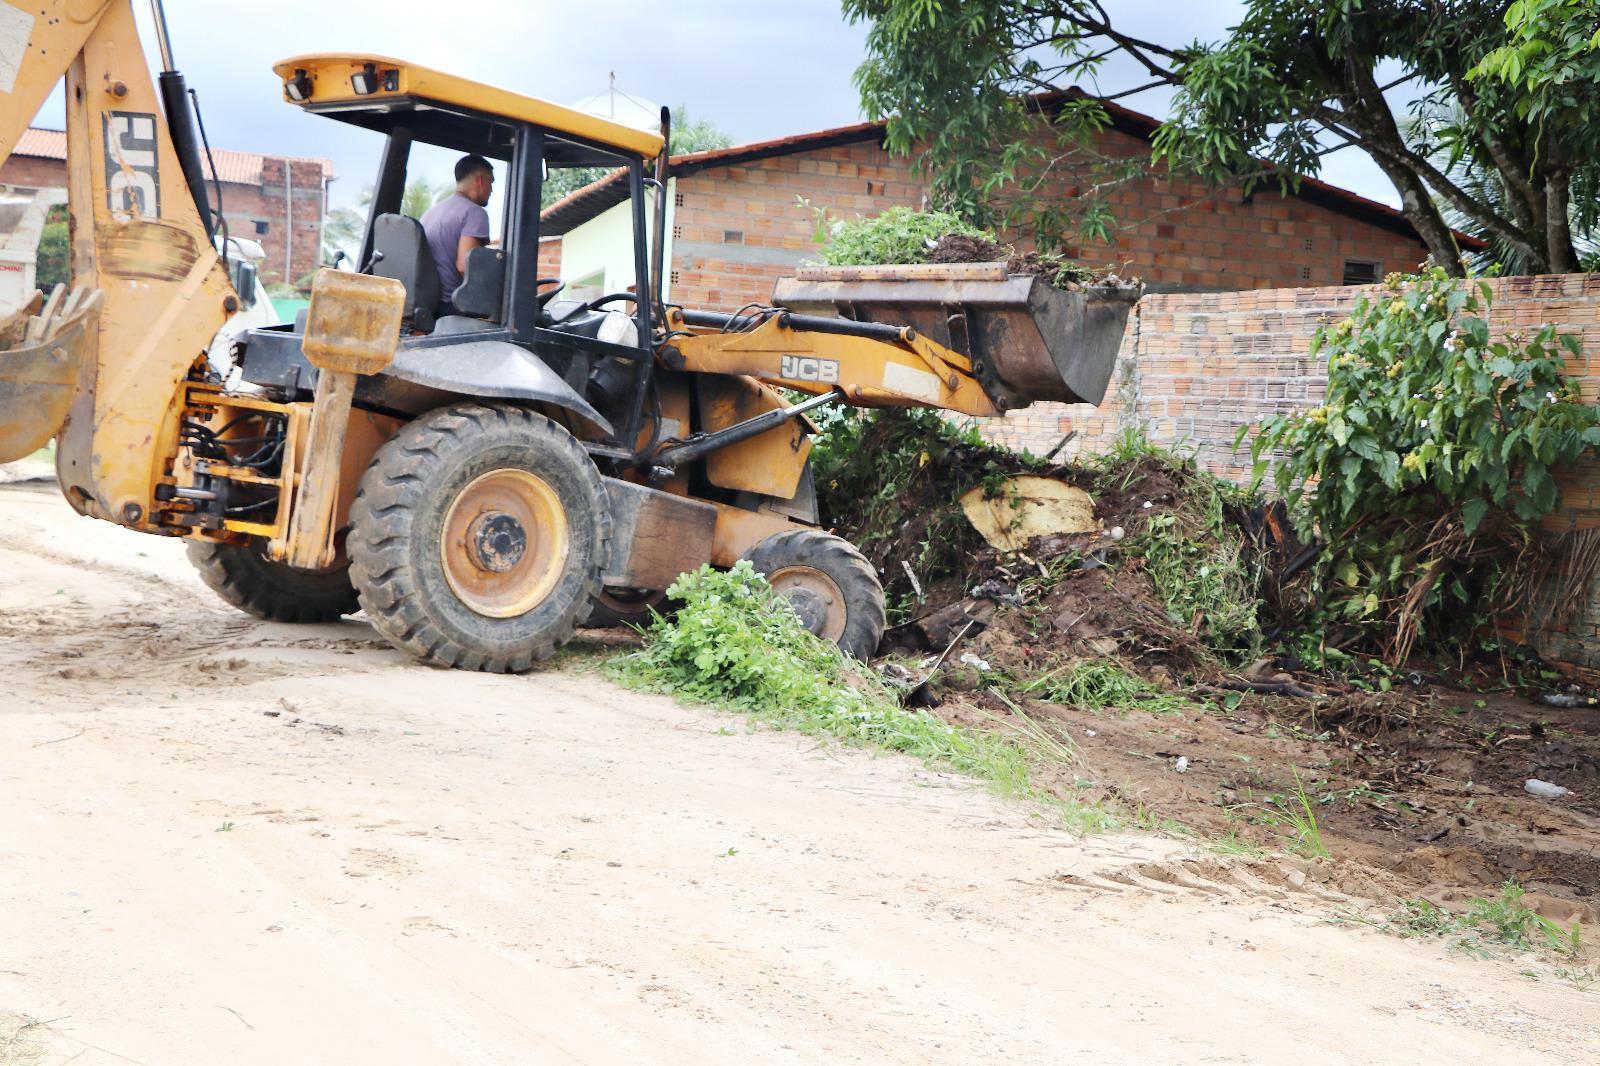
(110, 393)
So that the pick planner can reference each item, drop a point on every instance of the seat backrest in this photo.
(483, 286)
(400, 251)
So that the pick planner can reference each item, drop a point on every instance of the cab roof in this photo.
(404, 94)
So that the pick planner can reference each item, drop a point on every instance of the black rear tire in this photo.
(250, 581)
(415, 570)
(830, 583)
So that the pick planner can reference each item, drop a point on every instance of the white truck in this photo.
(23, 213)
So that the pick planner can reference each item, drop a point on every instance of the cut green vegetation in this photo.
(1505, 921)
(899, 235)
(902, 236)
(1196, 562)
(1095, 684)
(736, 645)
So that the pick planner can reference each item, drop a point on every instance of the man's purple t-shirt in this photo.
(445, 223)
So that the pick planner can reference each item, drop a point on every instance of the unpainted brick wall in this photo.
(1195, 367)
(737, 229)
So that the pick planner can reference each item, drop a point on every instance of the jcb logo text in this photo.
(805, 368)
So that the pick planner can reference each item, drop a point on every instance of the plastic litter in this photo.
(972, 660)
(1545, 789)
(1566, 699)
(1182, 765)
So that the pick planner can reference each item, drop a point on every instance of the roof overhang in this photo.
(395, 87)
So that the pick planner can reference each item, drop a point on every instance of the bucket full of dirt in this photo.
(42, 348)
(1029, 338)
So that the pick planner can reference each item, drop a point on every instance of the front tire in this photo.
(830, 584)
(250, 581)
(478, 536)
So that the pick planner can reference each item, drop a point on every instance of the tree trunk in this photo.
(1421, 211)
(1558, 223)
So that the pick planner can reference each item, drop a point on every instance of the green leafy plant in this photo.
(1506, 919)
(1429, 462)
(901, 235)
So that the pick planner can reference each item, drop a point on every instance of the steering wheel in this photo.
(545, 297)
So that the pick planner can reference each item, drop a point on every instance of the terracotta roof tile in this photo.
(236, 168)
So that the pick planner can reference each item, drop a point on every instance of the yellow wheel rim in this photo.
(816, 598)
(505, 543)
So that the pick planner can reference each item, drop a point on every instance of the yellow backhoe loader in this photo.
(478, 482)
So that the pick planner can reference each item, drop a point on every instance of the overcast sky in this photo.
(758, 69)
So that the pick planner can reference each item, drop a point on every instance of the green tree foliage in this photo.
(1430, 461)
(1293, 81)
(54, 264)
(422, 194)
(688, 135)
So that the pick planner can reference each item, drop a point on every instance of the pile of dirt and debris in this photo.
(1062, 272)
(1088, 593)
(1105, 638)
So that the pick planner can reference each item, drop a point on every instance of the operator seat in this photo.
(483, 286)
(400, 251)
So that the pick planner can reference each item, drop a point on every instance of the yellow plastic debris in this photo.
(1029, 506)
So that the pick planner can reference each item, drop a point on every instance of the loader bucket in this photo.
(40, 359)
(1027, 340)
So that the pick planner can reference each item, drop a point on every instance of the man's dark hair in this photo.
(470, 165)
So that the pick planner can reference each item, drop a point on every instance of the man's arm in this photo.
(474, 234)
(464, 248)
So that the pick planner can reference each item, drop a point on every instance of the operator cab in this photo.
(509, 336)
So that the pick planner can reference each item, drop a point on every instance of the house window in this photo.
(733, 236)
(1361, 271)
(261, 227)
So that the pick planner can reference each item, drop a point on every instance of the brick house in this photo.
(280, 201)
(737, 224)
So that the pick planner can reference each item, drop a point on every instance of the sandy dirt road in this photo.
(229, 842)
